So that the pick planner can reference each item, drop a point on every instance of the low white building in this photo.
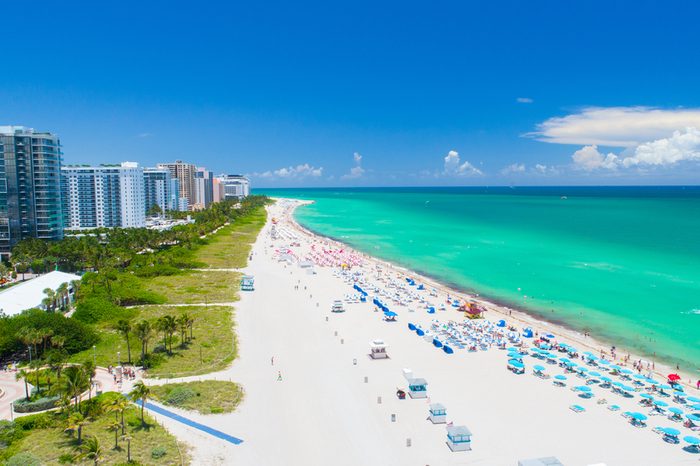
(30, 294)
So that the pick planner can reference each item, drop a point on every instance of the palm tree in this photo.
(169, 325)
(76, 422)
(182, 322)
(190, 324)
(141, 391)
(90, 371)
(144, 334)
(76, 382)
(115, 426)
(34, 366)
(22, 375)
(124, 327)
(50, 299)
(91, 449)
(62, 294)
(118, 406)
(127, 439)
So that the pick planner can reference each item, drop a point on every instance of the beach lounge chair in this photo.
(614, 408)
(577, 409)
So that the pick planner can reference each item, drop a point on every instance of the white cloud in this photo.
(589, 158)
(513, 168)
(681, 146)
(300, 171)
(541, 169)
(524, 100)
(454, 168)
(616, 126)
(357, 171)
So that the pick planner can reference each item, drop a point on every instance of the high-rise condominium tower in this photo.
(30, 186)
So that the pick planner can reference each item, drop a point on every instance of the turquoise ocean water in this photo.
(621, 263)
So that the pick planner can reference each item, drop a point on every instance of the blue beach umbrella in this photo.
(693, 417)
(583, 388)
(390, 313)
(692, 440)
(640, 377)
(588, 353)
(615, 367)
(515, 363)
(675, 410)
(670, 431)
(627, 388)
(606, 379)
(626, 371)
(665, 387)
(582, 369)
(563, 359)
(695, 407)
(693, 399)
(594, 374)
(646, 395)
(618, 384)
(538, 368)
(638, 416)
(660, 403)
(560, 377)
(605, 362)
(501, 323)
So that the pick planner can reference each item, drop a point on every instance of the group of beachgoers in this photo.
(385, 290)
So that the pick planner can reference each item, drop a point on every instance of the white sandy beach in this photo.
(323, 413)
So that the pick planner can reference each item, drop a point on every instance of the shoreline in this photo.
(520, 317)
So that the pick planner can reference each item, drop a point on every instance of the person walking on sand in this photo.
(279, 376)
(272, 361)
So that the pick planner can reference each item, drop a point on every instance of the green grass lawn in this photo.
(206, 397)
(51, 445)
(213, 340)
(194, 287)
(230, 246)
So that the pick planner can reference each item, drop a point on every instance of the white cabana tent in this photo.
(30, 294)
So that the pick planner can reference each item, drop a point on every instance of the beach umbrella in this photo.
(627, 388)
(390, 314)
(695, 407)
(618, 384)
(693, 417)
(563, 359)
(538, 368)
(560, 377)
(606, 379)
(638, 416)
(692, 440)
(516, 363)
(660, 403)
(512, 348)
(674, 377)
(651, 381)
(583, 388)
(693, 399)
(640, 376)
(615, 367)
(626, 371)
(646, 395)
(582, 369)
(550, 336)
(670, 431)
(605, 362)
(501, 323)
(675, 410)
(587, 353)
(665, 387)
(594, 374)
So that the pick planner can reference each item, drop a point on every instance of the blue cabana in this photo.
(447, 349)
(437, 343)
(420, 332)
(411, 326)
(501, 323)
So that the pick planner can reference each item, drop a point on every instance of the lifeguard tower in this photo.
(459, 438)
(377, 349)
(247, 283)
(438, 413)
(418, 388)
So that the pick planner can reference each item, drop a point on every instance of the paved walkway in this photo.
(188, 422)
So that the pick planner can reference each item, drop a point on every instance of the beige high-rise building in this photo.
(185, 174)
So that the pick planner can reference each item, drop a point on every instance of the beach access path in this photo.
(322, 411)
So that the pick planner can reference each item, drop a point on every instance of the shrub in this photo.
(66, 458)
(158, 452)
(23, 459)
(36, 421)
(42, 404)
(179, 395)
(216, 410)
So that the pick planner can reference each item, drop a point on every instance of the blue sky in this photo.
(366, 93)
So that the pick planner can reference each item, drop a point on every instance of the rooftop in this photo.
(30, 294)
